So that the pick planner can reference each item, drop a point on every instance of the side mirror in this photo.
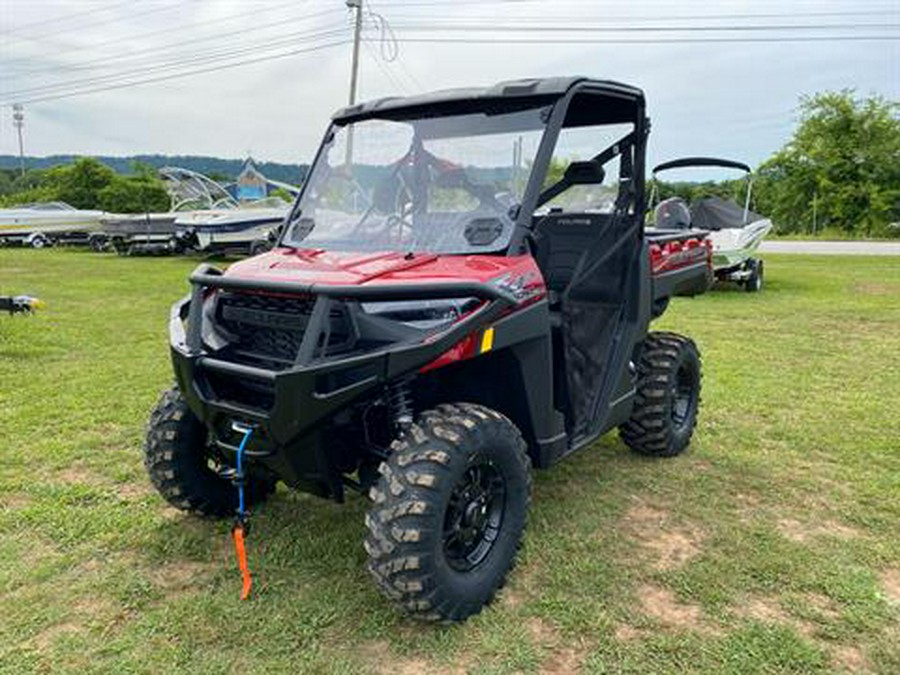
(587, 172)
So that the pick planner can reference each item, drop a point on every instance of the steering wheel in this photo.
(393, 229)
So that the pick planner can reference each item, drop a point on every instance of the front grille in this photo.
(267, 330)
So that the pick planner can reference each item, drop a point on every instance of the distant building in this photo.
(250, 184)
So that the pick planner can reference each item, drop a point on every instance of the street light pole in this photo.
(19, 122)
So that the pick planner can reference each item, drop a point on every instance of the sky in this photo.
(715, 96)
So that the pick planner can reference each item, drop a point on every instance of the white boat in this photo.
(734, 231)
(244, 229)
(45, 223)
(203, 216)
(127, 233)
(188, 191)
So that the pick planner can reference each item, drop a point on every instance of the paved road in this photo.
(833, 247)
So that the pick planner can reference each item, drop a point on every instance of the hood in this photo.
(311, 266)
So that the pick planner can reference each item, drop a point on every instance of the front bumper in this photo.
(291, 417)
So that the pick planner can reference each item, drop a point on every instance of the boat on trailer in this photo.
(189, 191)
(43, 224)
(734, 231)
(240, 230)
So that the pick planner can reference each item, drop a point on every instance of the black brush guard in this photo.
(290, 440)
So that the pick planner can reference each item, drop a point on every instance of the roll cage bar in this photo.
(622, 104)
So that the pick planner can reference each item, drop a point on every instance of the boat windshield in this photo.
(447, 184)
(46, 206)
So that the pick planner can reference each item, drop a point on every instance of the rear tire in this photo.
(39, 241)
(177, 457)
(449, 511)
(668, 396)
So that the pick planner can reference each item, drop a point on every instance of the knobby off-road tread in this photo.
(650, 429)
(174, 455)
(405, 524)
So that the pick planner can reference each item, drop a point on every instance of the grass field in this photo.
(772, 546)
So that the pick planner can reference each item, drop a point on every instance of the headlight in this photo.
(422, 314)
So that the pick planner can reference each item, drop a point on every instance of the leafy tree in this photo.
(90, 184)
(845, 154)
(33, 194)
(79, 183)
(133, 194)
(729, 189)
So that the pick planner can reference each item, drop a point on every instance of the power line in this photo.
(640, 19)
(219, 54)
(162, 78)
(43, 36)
(65, 17)
(644, 41)
(383, 68)
(168, 30)
(160, 50)
(635, 29)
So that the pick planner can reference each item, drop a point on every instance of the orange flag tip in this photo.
(241, 551)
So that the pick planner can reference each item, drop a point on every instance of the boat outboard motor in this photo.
(672, 214)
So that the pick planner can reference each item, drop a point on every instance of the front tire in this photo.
(668, 396)
(449, 512)
(179, 460)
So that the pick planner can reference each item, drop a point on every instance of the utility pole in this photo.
(354, 69)
(19, 122)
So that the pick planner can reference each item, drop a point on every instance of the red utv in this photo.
(461, 293)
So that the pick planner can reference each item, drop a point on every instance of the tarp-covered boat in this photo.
(735, 231)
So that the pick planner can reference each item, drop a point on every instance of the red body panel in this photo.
(676, 254)
(308, 266)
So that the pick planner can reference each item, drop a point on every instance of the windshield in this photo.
(446, 184)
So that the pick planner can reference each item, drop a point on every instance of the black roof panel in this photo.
(528, 91)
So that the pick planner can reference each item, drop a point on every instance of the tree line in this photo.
(87, 183)
(838, 174)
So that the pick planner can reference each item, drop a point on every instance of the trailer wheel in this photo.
(754, 282)
(449, 511)
(668, 396)
(181, 464)
(259, 246)
(39, 241)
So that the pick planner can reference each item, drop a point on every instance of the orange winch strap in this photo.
(240, 549)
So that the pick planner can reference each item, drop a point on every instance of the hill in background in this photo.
(215, 167)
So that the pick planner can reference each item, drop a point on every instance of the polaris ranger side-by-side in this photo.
(461, 293)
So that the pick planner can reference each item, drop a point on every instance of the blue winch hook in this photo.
(239, 477)
(241, 529)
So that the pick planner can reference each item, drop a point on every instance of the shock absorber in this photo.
(400, 404)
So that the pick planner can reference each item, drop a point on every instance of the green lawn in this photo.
(773, 545)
